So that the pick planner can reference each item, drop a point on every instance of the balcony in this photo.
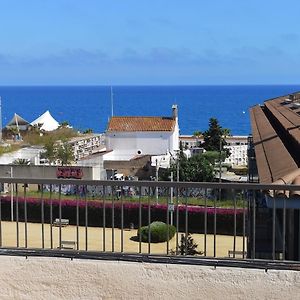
(225, 221)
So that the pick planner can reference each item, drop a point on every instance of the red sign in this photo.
(69, 172)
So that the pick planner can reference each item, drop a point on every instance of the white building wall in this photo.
(175, 139)
(129, 144)
(30, 153)
(238, 156)
(99, 173)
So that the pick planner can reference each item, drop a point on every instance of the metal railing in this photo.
(215, 219)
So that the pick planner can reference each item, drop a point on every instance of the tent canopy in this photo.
(18, 121)
(47, 122)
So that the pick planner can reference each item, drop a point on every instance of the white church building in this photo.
(130, 137)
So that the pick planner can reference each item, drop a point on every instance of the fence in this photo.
(203, 219)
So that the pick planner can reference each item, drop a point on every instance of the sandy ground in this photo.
(95, 239)
(58, 278)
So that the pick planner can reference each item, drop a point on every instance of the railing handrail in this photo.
(174, 184)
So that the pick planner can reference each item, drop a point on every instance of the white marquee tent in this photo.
(46, 121)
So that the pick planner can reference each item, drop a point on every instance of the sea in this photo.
(90, 107)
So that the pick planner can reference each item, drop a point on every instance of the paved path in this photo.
(95, 239)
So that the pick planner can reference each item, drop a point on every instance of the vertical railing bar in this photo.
(273, 227)
(43, 216)
(1, 221)
(140, 219)
(86, 216)
(205, 223)
(51, 218)
(177, 219)
(253, 225)
(60, 215)
(149, 221)
(122, 221)
(17, 216)
(234, 223)
(113, 221)
(244, 223)
(104, 218)
(168, 221)
(283, 228)
(77, 216)
(25, 215)
(215, 222)
(186, 222)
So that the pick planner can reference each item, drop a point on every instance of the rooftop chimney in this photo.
(175, 111)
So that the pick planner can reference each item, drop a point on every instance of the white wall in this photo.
(30, 153)
(53, 278)
(96, 162)
(238, 155)
(128, 144)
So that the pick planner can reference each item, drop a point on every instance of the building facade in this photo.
(128, 137)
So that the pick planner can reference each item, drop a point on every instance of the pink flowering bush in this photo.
(194, 215)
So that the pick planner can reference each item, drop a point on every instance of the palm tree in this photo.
(21, 161)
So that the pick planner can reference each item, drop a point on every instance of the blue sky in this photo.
(136, 42)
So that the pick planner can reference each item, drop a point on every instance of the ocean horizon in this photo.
(89, 106)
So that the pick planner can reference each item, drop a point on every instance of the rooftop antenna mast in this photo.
(112, 101)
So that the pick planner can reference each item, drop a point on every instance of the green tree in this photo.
(213, 156)
(50, 150)
(88, 131)
(64, 124)
(187, 246)
(65, 153)
(214, 137)
(196, 169)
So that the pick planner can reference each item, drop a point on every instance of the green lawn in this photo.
(226, 203)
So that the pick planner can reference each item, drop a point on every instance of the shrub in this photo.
(188, 246)
(194, 216)
(159, 232)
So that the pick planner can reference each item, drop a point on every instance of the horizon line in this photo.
(146, 85)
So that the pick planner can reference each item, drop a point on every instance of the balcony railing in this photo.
(210, 219)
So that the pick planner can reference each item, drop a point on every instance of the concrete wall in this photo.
(50, 278)
(20, 171)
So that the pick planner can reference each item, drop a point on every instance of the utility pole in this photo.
(220, 162)
(178, 168)
(112, 101)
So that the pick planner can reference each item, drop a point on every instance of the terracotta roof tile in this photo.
(129, 124)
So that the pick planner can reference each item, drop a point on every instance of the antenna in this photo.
(112, 101)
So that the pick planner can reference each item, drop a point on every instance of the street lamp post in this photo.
(171, 200)
(220, 158)
(156, 179)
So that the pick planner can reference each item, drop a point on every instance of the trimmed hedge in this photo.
(159, 232)
(194, 215)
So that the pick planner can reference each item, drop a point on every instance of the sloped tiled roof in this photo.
(131, 124)
(273, 159)
(276, 137)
